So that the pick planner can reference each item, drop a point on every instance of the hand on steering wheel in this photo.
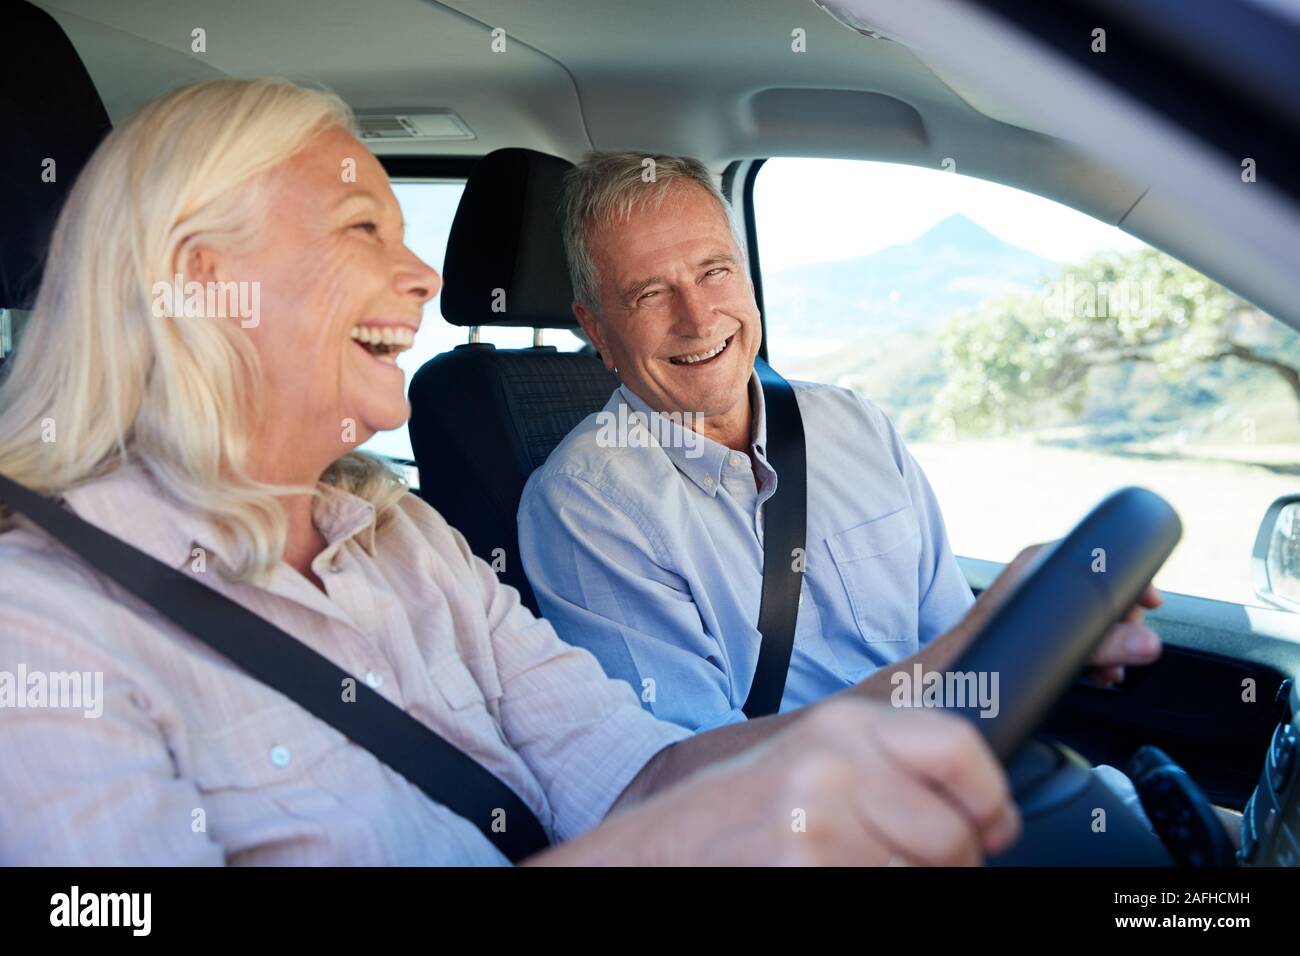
(1129, 643)
(1059, 609)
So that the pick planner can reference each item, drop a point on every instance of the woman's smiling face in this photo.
(340, 296)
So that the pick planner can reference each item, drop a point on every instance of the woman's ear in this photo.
(201, 264)
(205, 288)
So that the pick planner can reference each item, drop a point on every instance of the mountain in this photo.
(953, 266)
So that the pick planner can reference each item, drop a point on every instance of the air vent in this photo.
(423, 124)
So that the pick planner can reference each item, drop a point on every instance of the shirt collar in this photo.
(699, 458)
(129, 504)
(340, 515)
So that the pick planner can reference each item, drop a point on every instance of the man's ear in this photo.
(591, 326)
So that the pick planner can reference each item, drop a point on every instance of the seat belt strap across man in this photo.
(785, 530)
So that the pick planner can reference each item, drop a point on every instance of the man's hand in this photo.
(849, 782)
(1129, 642)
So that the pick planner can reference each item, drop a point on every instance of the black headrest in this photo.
(49, 110)
(505, 258)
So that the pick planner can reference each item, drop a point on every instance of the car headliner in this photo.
(717, 80)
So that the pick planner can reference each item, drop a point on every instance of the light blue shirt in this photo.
(643, 543)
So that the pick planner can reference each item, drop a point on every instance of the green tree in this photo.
(1019, 353)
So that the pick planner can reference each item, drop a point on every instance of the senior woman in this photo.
(224, 446)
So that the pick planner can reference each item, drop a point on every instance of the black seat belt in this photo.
(785, 529)
(284, 663)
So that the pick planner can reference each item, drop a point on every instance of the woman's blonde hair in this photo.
(100, 381)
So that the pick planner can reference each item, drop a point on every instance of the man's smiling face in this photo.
(677, 312)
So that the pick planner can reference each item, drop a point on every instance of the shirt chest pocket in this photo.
(473, 696)
(276, 750)
(281, 778)
(878, 563)
(457, 685)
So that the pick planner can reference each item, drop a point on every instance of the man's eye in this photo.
(647, 295)
(716, 271)
(367, 227)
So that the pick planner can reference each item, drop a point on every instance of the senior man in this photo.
(643, 542)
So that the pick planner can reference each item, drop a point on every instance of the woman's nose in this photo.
(418, 279)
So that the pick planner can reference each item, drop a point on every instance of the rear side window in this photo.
(1033, 358)
(428, 207)
(9, 320)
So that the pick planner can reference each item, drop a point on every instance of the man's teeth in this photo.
(699, 356)
(379, 340)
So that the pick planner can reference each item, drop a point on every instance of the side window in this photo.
(1033, 358)
(8, 331)
(428, 208)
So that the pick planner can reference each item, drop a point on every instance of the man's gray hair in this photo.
(605, 188)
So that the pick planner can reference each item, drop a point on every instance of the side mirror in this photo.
(1275, 558)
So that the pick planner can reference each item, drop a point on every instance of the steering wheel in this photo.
(1037, 642)
(1040, 638)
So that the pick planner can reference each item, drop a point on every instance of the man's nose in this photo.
(695, 316)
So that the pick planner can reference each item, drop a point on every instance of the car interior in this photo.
(505, 96)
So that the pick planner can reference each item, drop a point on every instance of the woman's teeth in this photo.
(697, 357)
(383, 342)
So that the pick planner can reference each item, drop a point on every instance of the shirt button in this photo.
(735, 461)
(280, 756)
(708, 481)
(373, 679)
(336, 566)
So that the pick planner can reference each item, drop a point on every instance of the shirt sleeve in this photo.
(93, 785)
(605, 585)
(583, 735)
(945, 595)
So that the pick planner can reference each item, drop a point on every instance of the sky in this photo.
(814, 210)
